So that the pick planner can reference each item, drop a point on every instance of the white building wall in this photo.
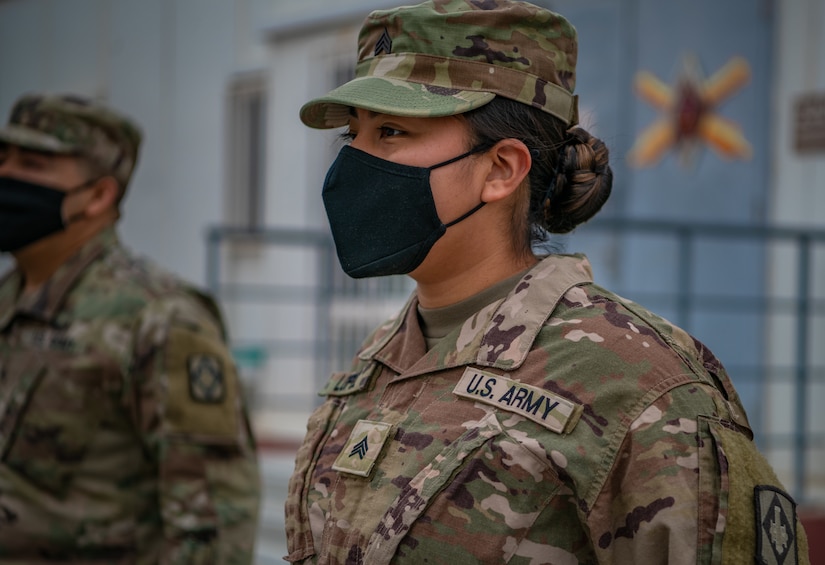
(165, 63)
(799, 179)
(797, 199)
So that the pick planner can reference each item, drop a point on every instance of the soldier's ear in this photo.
(509, 162)
(105, 196)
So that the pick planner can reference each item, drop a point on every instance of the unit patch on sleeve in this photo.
(363, 447)
(201, 386)
(543, 407)
(206, 379)
(775, 527)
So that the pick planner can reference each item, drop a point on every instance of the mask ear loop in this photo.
(77, 189)
(465, 216)
(479, 149)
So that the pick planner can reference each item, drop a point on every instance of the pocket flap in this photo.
(21, 375)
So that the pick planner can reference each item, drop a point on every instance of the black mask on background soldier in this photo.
(382, 214)
(29, 212)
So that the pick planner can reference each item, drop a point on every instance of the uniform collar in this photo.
(44, 304)
(498, 336)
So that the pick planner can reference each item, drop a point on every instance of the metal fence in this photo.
(669, 279)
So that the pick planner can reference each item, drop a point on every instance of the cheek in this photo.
(456, 190)
(69, 209)
(73, 207)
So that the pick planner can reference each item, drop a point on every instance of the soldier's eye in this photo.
(387, 131)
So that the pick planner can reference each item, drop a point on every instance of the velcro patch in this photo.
(47, 339)
(344, 384)
(550, 410)
(206, 379)
(202, 386)
(775, 526)
(362, 448)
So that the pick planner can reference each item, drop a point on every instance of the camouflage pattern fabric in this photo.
(123, 432)
(446, 57)
(561, 424)
(72, 125)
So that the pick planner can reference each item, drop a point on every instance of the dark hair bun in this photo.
(583, 183)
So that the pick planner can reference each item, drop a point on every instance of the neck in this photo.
(464, 283)
(40, 260)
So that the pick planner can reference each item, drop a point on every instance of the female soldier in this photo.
(513, 412)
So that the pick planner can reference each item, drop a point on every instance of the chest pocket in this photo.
(50, 407)
(479, 498)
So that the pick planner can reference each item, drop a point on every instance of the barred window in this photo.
(246, 186)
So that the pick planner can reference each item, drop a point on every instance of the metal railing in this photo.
(806, 304)
(327, 288)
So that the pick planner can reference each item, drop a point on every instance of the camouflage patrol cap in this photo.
(72, 125)
(446, 57)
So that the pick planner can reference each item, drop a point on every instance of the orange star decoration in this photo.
(689, 114)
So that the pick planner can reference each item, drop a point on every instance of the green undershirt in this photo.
(438, 322)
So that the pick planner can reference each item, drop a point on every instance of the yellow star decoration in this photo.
(689, 118)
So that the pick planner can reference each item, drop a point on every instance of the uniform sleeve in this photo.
(193, 422)
(688, 486)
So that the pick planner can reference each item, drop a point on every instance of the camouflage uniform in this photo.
(561, 424)
(123, 433)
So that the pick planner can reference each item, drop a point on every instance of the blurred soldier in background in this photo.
(123, 433)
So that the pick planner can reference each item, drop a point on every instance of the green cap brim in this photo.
(389, 96)
(34, 140)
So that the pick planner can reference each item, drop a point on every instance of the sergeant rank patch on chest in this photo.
(363, 447)
(543, 407)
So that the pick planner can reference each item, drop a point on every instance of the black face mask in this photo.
(29, 212)
(382, 214)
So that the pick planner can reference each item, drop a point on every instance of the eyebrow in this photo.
(33, 152)
(353, 112)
